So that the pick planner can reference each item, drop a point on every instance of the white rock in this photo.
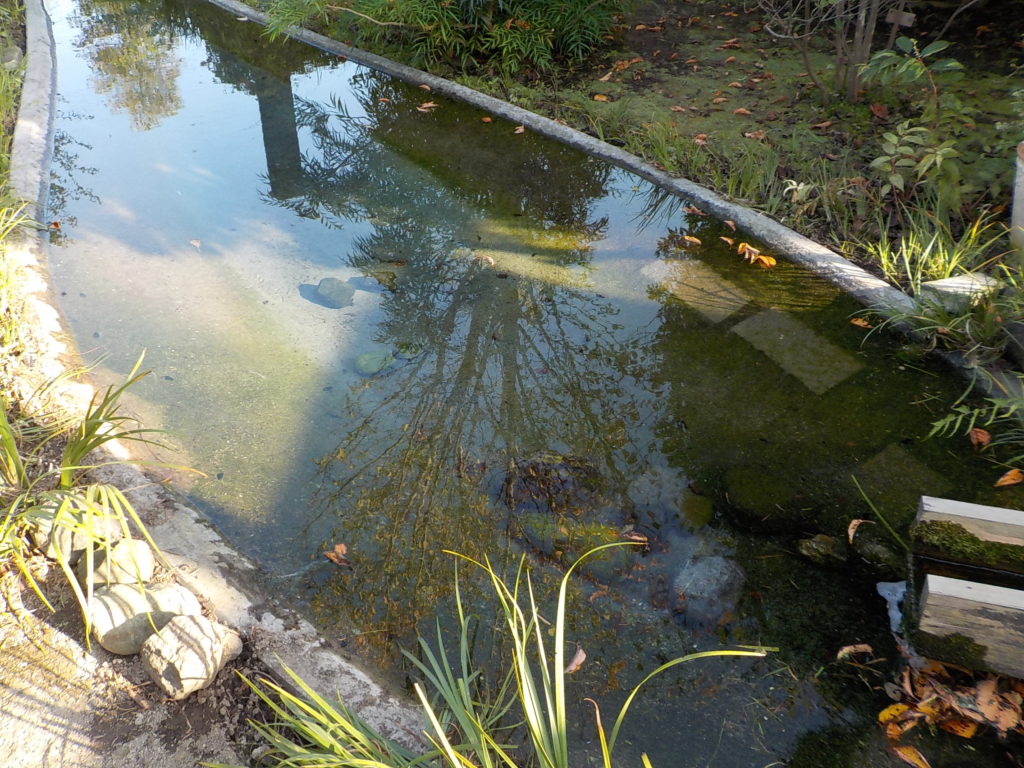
(129, 561)
(123, 617)
(188, 653)
(74, 532)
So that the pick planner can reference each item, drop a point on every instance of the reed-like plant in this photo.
(524, 722)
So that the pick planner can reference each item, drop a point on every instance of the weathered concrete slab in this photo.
(815, 361)
(895, 473)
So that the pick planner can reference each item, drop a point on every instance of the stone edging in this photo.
(865, 287)
(226, 582)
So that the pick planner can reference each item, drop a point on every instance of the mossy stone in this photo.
(761, 499)
(696, 511)
(566, 539)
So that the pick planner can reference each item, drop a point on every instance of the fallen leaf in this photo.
(719, 99)
(337, 555)
(851, 529)
(601, 97)
(383, 100)
(691, 239)
(979, 437)
(860, 322)
(195, 244)
(727, 240)
(607, 77)
(960, 726)
(893, 712)
(733, 43)
(426, 106)
(879, 110)
(894, 731)
(730, 224)
(849, 650)
(909, 755)
(520, 129)
(822, 125)
(676, 108)
(758, 135)
(997, 710)
(691, 61)
(577, 660)
(701, 139)
(425, 87)
(55, 226)
(735, 84)
(1013, 477)
(486, 119)
(694, 210)
(742, 111)
(730, 60)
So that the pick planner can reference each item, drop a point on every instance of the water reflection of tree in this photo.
(503, 363)
(131, 51)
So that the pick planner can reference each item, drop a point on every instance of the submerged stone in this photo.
(696, 511)
(566, 539)
(707, 586)
(822, 550)
(372, 363)
(335, 293)
(550, 482)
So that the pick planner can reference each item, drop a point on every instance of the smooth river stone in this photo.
(335, 293)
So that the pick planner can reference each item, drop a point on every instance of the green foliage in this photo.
(506, 36)
(1003, 414)
(468, 723)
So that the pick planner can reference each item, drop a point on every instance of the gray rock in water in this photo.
(123, 617)
(129, 561)
(188, 653)
(823, 550)
(335, 293)
(372, 363)
(707, 586)
(73, 532)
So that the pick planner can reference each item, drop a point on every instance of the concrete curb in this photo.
(226, 581)
(860, 284)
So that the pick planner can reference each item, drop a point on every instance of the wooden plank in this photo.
(987, 523)
(992, 617)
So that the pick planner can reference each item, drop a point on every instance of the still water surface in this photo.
(515, 307)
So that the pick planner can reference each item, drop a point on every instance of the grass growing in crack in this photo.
(521, 719)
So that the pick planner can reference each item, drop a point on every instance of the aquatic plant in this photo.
(470, 721)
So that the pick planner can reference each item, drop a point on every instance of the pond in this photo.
(378, 318)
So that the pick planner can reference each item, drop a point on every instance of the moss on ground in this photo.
(950, 540)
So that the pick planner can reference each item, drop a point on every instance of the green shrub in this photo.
(500, 35)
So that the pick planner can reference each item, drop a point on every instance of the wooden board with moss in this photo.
(974, 534)
(976, 625)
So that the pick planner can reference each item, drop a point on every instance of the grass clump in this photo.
(522, 719)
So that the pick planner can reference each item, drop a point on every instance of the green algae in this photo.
(954, 648)
(950, 540)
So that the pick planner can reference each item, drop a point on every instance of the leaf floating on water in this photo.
(1013, 477)
(55, 226)
(854, 525)
(195, 244)
(860, 322)
(727, 240)
(730, 224)
(692, 240)
(425, 87)
(384, 100)
(520, 129)
(577, 660)
(910, 755)
(426, 106)
(979, 437)
(849, 650)
(337, 555)
(694, 210)
(486, 119)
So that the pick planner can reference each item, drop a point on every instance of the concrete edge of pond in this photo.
(227, 582)
(865, 287)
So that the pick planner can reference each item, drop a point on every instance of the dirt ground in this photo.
(66, 705)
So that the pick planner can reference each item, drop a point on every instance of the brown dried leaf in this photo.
(337, 555)
(960, 726)
(520, 129)
(730, 60)
(854, 525)
(849, 650)
(676, 108)
(195, 244)
(701, 139)
(860, 322)
(979, 437)
(694, 210)
(758, 135)
(692, 240)
(730, 224)
(1013, 477)
(719, 100)
(426, 106)
(879, 110)
(577, 660)
(822, 125)
(893, 712)
(727, 240)
(735, 84)
(425, 87)
(601, 97)
(742, 111)
(910, 755)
